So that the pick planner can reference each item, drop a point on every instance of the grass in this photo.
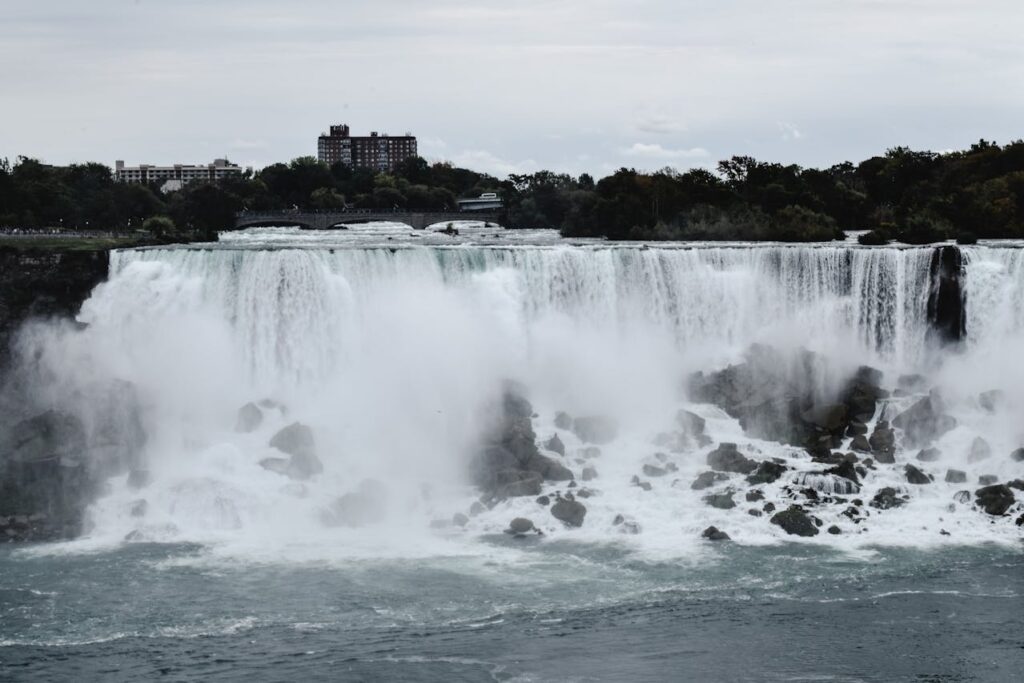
(67, 242)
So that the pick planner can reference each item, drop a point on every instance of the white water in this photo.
(389, 350)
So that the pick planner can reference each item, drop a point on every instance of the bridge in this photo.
(325, 220)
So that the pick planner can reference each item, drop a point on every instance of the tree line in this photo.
(907, 195)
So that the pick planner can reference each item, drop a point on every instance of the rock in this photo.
(563, 420)
(726, 458)
(857, 429)
(754, 496)
(912, 384)
(886, 499)
(766, 473)
(795, 522)
(995, 500)
(721, 501)
(626, 525)
(476, 508)
(991, 400)
(591, 452)
(834, 530)
(555, 444)
(826, 483)
(861, 443)
(366, 505)
(929, 454)
(589, 474)
(713, 534)
(303, 466)
(846, 470)
(570, 512)
(543, 500)
(916, 476)
(883, 443)
(691, 423)
(597, 429)
(1017, 455)
(549, 468)
(769, 508)
(1016, 484)
(956, 476)
(296, 438)
(830, 417)
(652, 471)
(962, 497)
(514, 483)
(645, 485)
(707, 479)
(520, 526)
(980, 450)
(987, 479)
(249, 419)
(924, 421)
(459, 519)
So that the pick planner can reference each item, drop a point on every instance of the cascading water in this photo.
(389, 351)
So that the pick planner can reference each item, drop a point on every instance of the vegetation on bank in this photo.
(911, 196)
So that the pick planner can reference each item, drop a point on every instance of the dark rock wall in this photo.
(947, 305)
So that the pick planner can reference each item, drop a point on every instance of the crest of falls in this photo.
(390, 353)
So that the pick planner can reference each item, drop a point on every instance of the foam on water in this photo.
(389, 349)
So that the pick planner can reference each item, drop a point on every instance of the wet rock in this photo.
(555, 444)
(297, 441)
(754, 496)
(598, 430)
(962, 497)
(862, 392)
(754, 512)
(834, 530)
(955, 476)
(916, 476)
(987, 479)
(1017, 455)
(549, 468)
(589, 474)
(708, 479)
(543, 500)
(769, 508)
(275, 465)
(766, 473)
(912, 384)
(459, 519)
(713, 534)
(727, 458)
(514, 483)
(520, 526)
(645, 485)
(857, 429)
(861, 443)
(830, 417)
(991, 400)
(584, 493)
(883, 443)
(924, 421)
(1016, 484)
(693, 426)
(887, 499)
(980, 450)
(721, 501)
(249, 419)
(570, 512)
(303, 466)
(795, 522)
(138, 508)
(846, 470)
(563, 420)
(995, 500)
(929, 454)
(652, 471)
(825, 483)
(476, 508)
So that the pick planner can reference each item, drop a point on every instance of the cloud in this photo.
(656, 152)
(790, 132)
(659, 124)
(482, 160)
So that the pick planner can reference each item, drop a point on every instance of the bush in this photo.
(161, 226)
(875, 238)
(800, 224)
(923, 229)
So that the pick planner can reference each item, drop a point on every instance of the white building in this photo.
(174, 177)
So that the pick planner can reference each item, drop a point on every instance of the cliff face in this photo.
(44, 283)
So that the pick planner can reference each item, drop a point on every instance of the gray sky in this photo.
(509, 86)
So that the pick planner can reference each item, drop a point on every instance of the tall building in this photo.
(380, 152)
(176, 176)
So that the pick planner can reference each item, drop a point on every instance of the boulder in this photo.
(645, 485)
(303, 466)
(366, 505)
(589, 473)
(834, 530)
(296, 438)
(980, 450)
(754, 496)
(991, 400)
(846, 470)
(795, 522)
(929, 454)
(727, 458)
(766, 473)
(886, 499)
(924, 421)
(459, 519)
(883, 443)
(249, 419)
(275, 465)
(626, 525)
(570, 512)
(652, 471)
(861, 443)
(514, 483)
(995, 500)
(857, 429)
(555, 444)
(1017, 455)
(693, 426)
(721, 501)
(916, 476)
(829, 417)
(520, 526)
(962, 497)
(563, 420)
(987, 479)
(956, 476)
(598, 430)
(707, 479)
(713, 534)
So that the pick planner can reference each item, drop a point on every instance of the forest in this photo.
(910, 196)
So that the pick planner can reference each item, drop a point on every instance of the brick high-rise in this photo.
(379, 152)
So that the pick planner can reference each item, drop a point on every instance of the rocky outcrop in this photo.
(569, 511)
(297, 441)
(924, 421)
(727, 458)
(946, 309)
(995, 500)
(249, 418)
(795, 521)
(714, 534)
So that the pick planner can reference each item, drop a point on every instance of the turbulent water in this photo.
(390, 347)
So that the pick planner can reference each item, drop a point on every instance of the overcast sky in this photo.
(511, 85)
